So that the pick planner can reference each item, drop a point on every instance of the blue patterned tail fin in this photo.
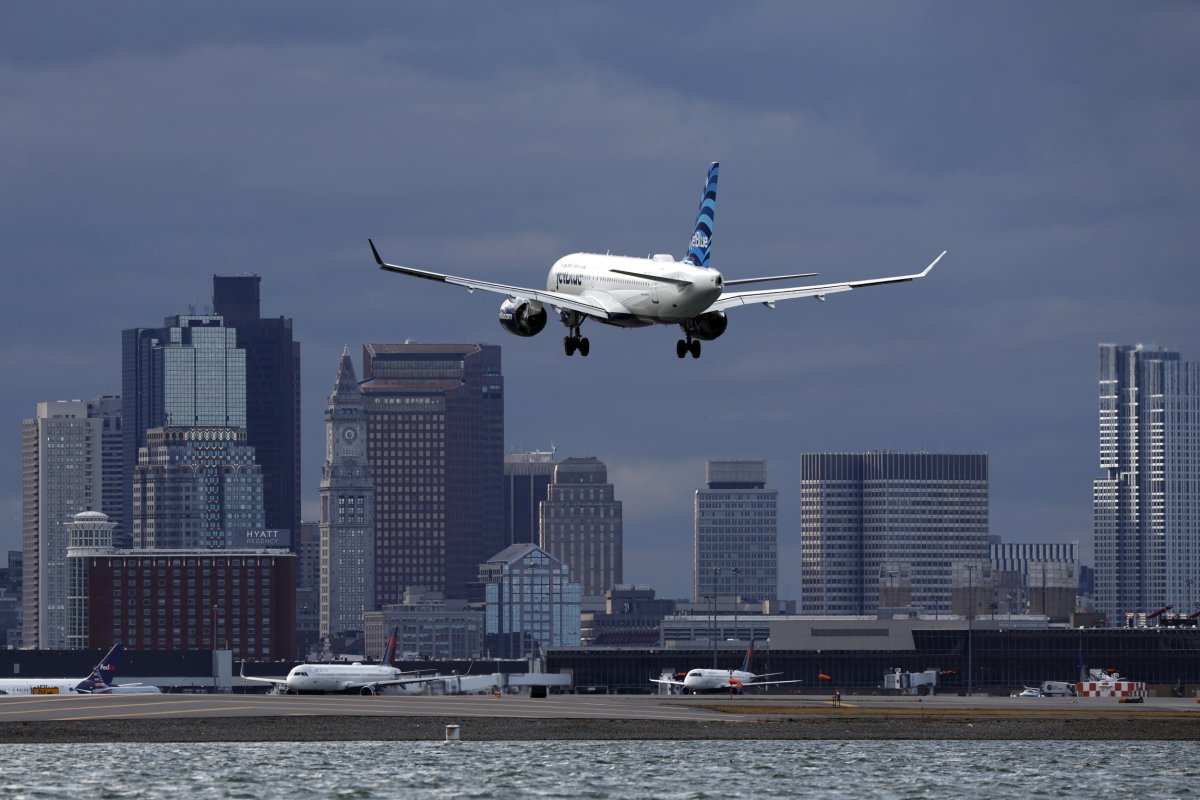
(701, 244)
(101, 679)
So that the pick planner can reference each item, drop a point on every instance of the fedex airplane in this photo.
(367, 679)
(100, 681)
(638, 292)
(723, 680)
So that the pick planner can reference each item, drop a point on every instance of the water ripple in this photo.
(692, 770)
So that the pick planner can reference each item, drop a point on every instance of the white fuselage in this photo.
(337, 677)
(38, 686)
(635, 302)
(711, 680)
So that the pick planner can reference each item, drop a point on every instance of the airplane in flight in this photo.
(100, 681)
(723, 680)
(631, 292)
(366, 679)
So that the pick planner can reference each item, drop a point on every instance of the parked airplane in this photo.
(100, 681)
(366, 679)
(637, 292)
(723, 680)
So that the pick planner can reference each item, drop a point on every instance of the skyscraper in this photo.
(435, 442)
(737, 539)
(1147, 507)
(70, 463)
(272, 394)
(581, 526)
(531, 602)
(348, 558)
(860, 512)
(526, 478)
(195, 487)
(188, 373)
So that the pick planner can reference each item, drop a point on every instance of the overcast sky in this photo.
(1051, 148)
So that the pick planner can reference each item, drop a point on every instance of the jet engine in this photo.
(518, 317)
(706, 326)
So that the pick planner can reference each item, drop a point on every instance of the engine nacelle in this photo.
(706, 326)
(518, 318)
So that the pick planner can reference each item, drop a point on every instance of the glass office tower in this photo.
(1147, 507)
(862, 512)
(188, 373)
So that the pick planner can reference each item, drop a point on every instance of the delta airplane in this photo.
(367, 679)
(98, 682)
(638, 292)
(723, 680)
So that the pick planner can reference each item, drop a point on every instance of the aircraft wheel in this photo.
(681, 348)
(569, 345)
(694, 347)
(584, 347)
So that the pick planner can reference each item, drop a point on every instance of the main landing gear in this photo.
(576, 342)
(573, 341)
(689, 345)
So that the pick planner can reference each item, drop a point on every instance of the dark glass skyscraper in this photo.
(188, 373)
(435, 443)
(526, 479)
(272, 394)
(230, 369)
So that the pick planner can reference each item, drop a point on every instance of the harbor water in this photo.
(603, 769)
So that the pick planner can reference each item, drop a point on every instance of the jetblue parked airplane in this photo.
(100, 681)
(334, 678)
(723, 680)
(638, 292)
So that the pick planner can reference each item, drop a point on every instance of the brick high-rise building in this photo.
(435, 443)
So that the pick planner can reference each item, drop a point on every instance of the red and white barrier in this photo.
(1111, 689)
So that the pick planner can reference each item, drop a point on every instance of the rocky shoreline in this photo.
(400, 728)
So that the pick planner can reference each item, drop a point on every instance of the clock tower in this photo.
(347, 509)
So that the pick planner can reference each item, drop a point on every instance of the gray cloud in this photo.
(1051, 149)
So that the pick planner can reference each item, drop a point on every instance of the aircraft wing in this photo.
(770, 683)
(769, 297)
(278, 683)
(556, 299)
(668, 681)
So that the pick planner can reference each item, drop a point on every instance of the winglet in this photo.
(927, 269)
(379, 259)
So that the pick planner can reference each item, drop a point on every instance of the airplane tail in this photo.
(389, 654)
(101, 679)
(748, 662)
(701, 244)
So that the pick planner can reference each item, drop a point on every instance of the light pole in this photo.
(970, 626)
(737, 598)
(716, 571)
(712, 625)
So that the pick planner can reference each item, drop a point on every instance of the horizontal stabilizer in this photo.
(740, 281)
(656, 278)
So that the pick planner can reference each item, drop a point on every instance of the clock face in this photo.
(349, 434)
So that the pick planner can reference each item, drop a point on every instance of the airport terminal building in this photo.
(999, 655)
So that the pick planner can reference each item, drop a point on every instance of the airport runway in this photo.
(517, 717)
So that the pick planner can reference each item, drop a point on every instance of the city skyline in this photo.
(1050, 151)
